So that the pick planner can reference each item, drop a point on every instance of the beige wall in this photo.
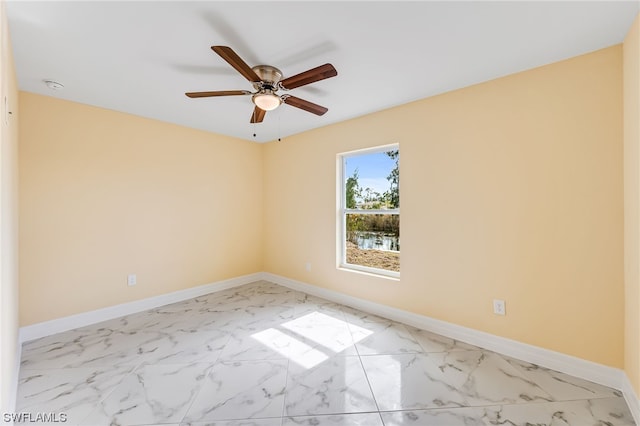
(511, 189)
(8, 220)
(105, 194)
(631, 84)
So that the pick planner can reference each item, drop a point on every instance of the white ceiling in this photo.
(140, 57)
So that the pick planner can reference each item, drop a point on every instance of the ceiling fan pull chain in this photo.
(254, 123)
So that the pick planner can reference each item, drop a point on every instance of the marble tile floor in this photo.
(265, 355)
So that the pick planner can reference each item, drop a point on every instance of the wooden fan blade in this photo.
(218, 93)
(305, 105)
(258, 115)
(234, 60)
(309, 76)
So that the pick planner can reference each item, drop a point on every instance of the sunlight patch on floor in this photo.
(312, 338)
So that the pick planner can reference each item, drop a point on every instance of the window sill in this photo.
(372, 272)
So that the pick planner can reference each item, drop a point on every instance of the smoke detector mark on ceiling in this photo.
(53, 85)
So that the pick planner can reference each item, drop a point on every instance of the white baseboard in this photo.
(42, 329)
(588, 370)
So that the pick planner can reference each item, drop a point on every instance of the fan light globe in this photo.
(266, 101)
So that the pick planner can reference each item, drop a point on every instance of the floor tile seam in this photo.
(285, 414)
(219, 355)
(382, 422)
(197, 394)
(373, 395)
(332, 413)
(284, 398)
(352, 333)
(130, 372)
(302, 416)
(113, 388)
(226, 419)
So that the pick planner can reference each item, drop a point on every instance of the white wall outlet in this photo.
(499, 307)
(132, 280)
(307, 266)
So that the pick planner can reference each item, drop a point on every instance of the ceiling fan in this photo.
(266, 81)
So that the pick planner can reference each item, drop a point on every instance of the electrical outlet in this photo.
(132, 280)
(499, 307)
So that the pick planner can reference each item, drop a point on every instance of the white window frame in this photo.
(343, 211)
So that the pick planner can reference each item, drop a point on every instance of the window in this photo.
(370, 210)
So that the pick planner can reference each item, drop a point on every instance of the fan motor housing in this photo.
(268, 74)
